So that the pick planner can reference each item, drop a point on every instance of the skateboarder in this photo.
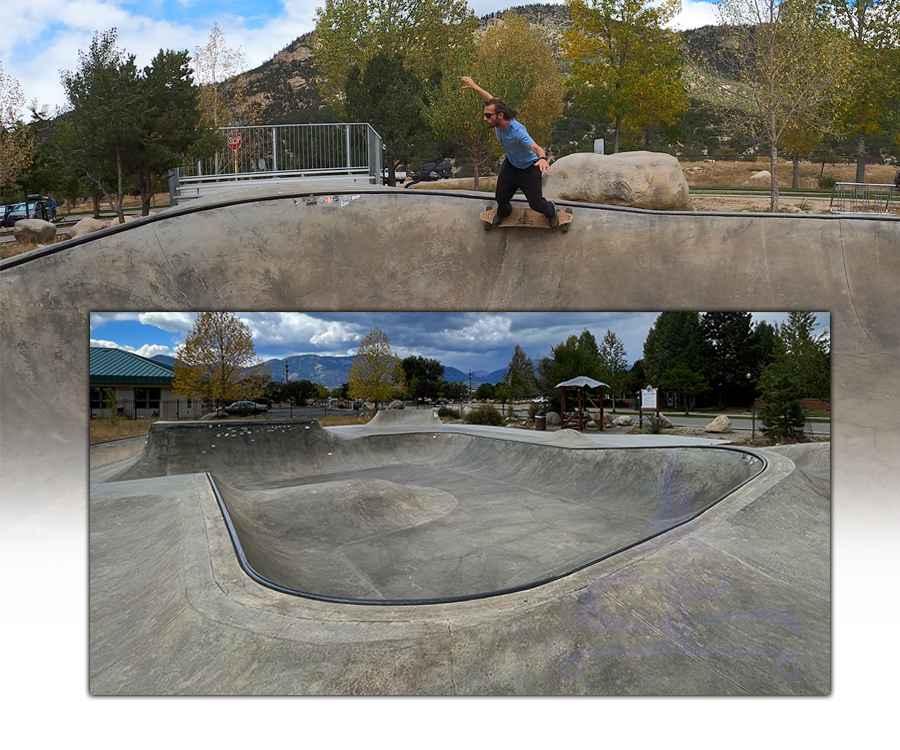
(525, 161)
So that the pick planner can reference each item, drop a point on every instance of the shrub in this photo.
(484, 414)
(655, 424)
(446, 412)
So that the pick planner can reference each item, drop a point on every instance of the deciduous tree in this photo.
(625, 64)
(788, 69)
(520, 379)
(512, 61)
(576, 356)
(420, 32)
(218, 361)
(872, 104)
(615, 364)
(15, 138)
(215, 64)
(376, 371)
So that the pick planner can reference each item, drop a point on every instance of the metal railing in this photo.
(282, 154)
(863, 198)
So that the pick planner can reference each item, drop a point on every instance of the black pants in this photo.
(529, 182)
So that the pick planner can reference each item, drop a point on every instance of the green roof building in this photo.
(141, 388)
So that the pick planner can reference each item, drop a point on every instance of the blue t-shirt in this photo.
(517, 144)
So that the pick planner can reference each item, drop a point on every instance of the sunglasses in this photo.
(489, 115)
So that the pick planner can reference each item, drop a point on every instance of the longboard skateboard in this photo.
(525, 217)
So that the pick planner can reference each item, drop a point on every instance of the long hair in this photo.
(502, 106)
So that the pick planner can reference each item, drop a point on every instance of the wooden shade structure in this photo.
(580, 413)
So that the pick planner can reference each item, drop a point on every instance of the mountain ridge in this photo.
(332, 372)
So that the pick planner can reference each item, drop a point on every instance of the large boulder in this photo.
(624, 421)
(87, 225)
(641, 179)
(553, 419)
(33, 231)
(719, 424)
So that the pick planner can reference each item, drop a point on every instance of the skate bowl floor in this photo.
(428, 517)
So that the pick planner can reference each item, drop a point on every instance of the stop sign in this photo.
(234, 140)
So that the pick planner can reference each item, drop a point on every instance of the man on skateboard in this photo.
(525, 161)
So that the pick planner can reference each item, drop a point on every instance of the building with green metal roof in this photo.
(140, 387)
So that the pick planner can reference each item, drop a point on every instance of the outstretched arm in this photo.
(470, 84)
(543, 164)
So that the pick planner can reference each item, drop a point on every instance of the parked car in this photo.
(262, 404)
(36, 207)
(540, 400)
(432, 171)
(243, 407)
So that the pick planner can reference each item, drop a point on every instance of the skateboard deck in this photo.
(525, 217)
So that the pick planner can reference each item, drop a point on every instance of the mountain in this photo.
(328, 371)
(332, 372)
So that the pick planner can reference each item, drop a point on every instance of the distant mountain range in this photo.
(332, 372)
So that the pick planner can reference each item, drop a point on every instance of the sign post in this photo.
(648, 401)
(234, 143)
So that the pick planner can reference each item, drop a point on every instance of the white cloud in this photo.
(41, 39)
(147, 350)
(174, 322)
(695, 14)
(99, 318)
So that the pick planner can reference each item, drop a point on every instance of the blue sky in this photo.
(476, 340)
(41, 39)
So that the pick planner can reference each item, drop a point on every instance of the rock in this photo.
(553, 419)
(396, 405)
(623, 421)
(88, 224)
(759, 177)
(642, 179)
(719, 424)
(33, 231)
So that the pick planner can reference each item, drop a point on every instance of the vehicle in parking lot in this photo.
(36, 207)
(540, 400)
(244, 407)
(432, 171)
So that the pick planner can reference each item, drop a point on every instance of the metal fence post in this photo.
(274, 149)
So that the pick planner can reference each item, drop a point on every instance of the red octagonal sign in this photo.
(234, 140)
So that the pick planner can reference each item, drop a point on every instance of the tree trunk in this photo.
(96, 201)
(773, 167)
(616, 138)
(795, 181)
(120, 185)
(861, 156)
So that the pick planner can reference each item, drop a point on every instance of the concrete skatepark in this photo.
(734, 602)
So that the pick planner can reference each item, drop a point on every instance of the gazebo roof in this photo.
(582, 382)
